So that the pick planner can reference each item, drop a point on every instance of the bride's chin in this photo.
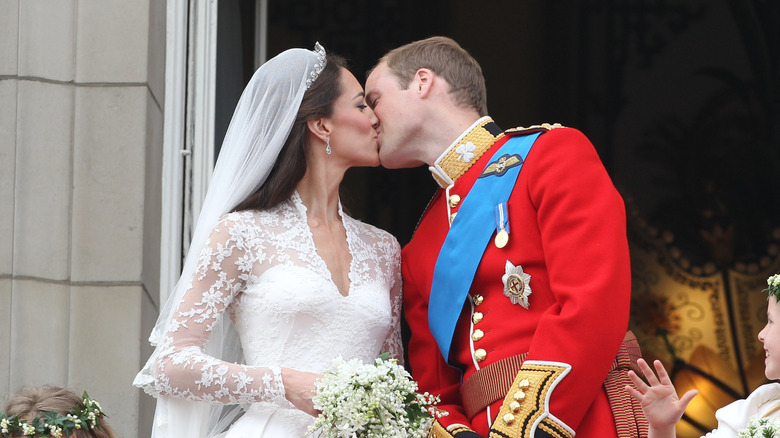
(368, 162)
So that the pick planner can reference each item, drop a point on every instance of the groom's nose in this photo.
(374, 120)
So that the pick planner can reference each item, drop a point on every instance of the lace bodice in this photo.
(261, 268)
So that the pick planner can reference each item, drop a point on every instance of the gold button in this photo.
(477, 335)
(524, 384)
(454, 200)
(476, 317)
(480, 355)
(514, 406)
(478, 299)
(452, 216)
(519, 395)
(509, 418)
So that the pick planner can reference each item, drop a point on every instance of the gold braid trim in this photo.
(453, 164)
(543, 126)
(438, 431)
(526, 406)
(554, 429)
(457, 429)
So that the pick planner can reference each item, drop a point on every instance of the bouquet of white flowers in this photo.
(761, 428)
(378, 400)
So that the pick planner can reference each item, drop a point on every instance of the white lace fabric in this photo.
(261, 269)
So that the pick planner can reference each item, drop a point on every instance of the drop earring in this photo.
(328, 150)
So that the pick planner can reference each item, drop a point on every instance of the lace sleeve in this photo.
(393, 342)
(183, 369)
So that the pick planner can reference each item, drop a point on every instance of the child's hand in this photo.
(659, 399)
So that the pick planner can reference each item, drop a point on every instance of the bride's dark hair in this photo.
(290, 166)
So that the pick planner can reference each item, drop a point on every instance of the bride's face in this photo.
(770, 336)
(353, 137)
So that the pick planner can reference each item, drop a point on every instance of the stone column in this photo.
(81, 92)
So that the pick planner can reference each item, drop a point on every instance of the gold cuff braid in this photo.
(439, 431)
(526, 406)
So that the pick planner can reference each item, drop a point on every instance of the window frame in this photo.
(188, 132)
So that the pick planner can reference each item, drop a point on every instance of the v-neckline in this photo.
(302, 210)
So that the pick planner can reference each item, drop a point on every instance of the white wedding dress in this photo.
(261, 268)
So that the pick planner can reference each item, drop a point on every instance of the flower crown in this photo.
(54, 425)
(773, 286)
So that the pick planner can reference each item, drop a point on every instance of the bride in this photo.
(278, 281)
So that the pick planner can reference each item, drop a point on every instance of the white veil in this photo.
(259, 128)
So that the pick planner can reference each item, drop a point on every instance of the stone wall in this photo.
(81, 93)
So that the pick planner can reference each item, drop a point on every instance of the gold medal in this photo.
(502, 226)
(502, 237)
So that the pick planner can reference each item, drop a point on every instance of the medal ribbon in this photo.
(466, 241)
(502, 217)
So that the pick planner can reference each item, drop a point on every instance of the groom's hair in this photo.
(449, 61)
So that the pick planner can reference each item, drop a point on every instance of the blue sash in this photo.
(468, 238)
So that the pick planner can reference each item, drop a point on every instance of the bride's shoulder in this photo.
(374, 234)
(237, 217)
(241, 222)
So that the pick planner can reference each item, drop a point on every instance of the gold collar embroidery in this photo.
(464, 152)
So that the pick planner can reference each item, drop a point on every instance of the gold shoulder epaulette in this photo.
(532, 129)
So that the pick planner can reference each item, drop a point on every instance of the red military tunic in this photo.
(568, 231)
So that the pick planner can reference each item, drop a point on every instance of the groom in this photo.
(517, 279)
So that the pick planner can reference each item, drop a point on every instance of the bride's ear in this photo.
(320, 128)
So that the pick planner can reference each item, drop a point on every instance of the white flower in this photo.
(371, 401)
(211, 298)
(773, 286)
(242, 381)
(466, 151)
(760, 428)
(517, 284)
(245, 262)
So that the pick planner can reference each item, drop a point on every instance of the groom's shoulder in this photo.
(533, 129)
(556, 137)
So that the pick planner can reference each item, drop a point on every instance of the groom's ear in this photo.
(320, 127)
(422, 82)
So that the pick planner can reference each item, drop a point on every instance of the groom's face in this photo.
(394, 108)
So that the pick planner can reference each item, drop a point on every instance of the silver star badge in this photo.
(516, 284)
